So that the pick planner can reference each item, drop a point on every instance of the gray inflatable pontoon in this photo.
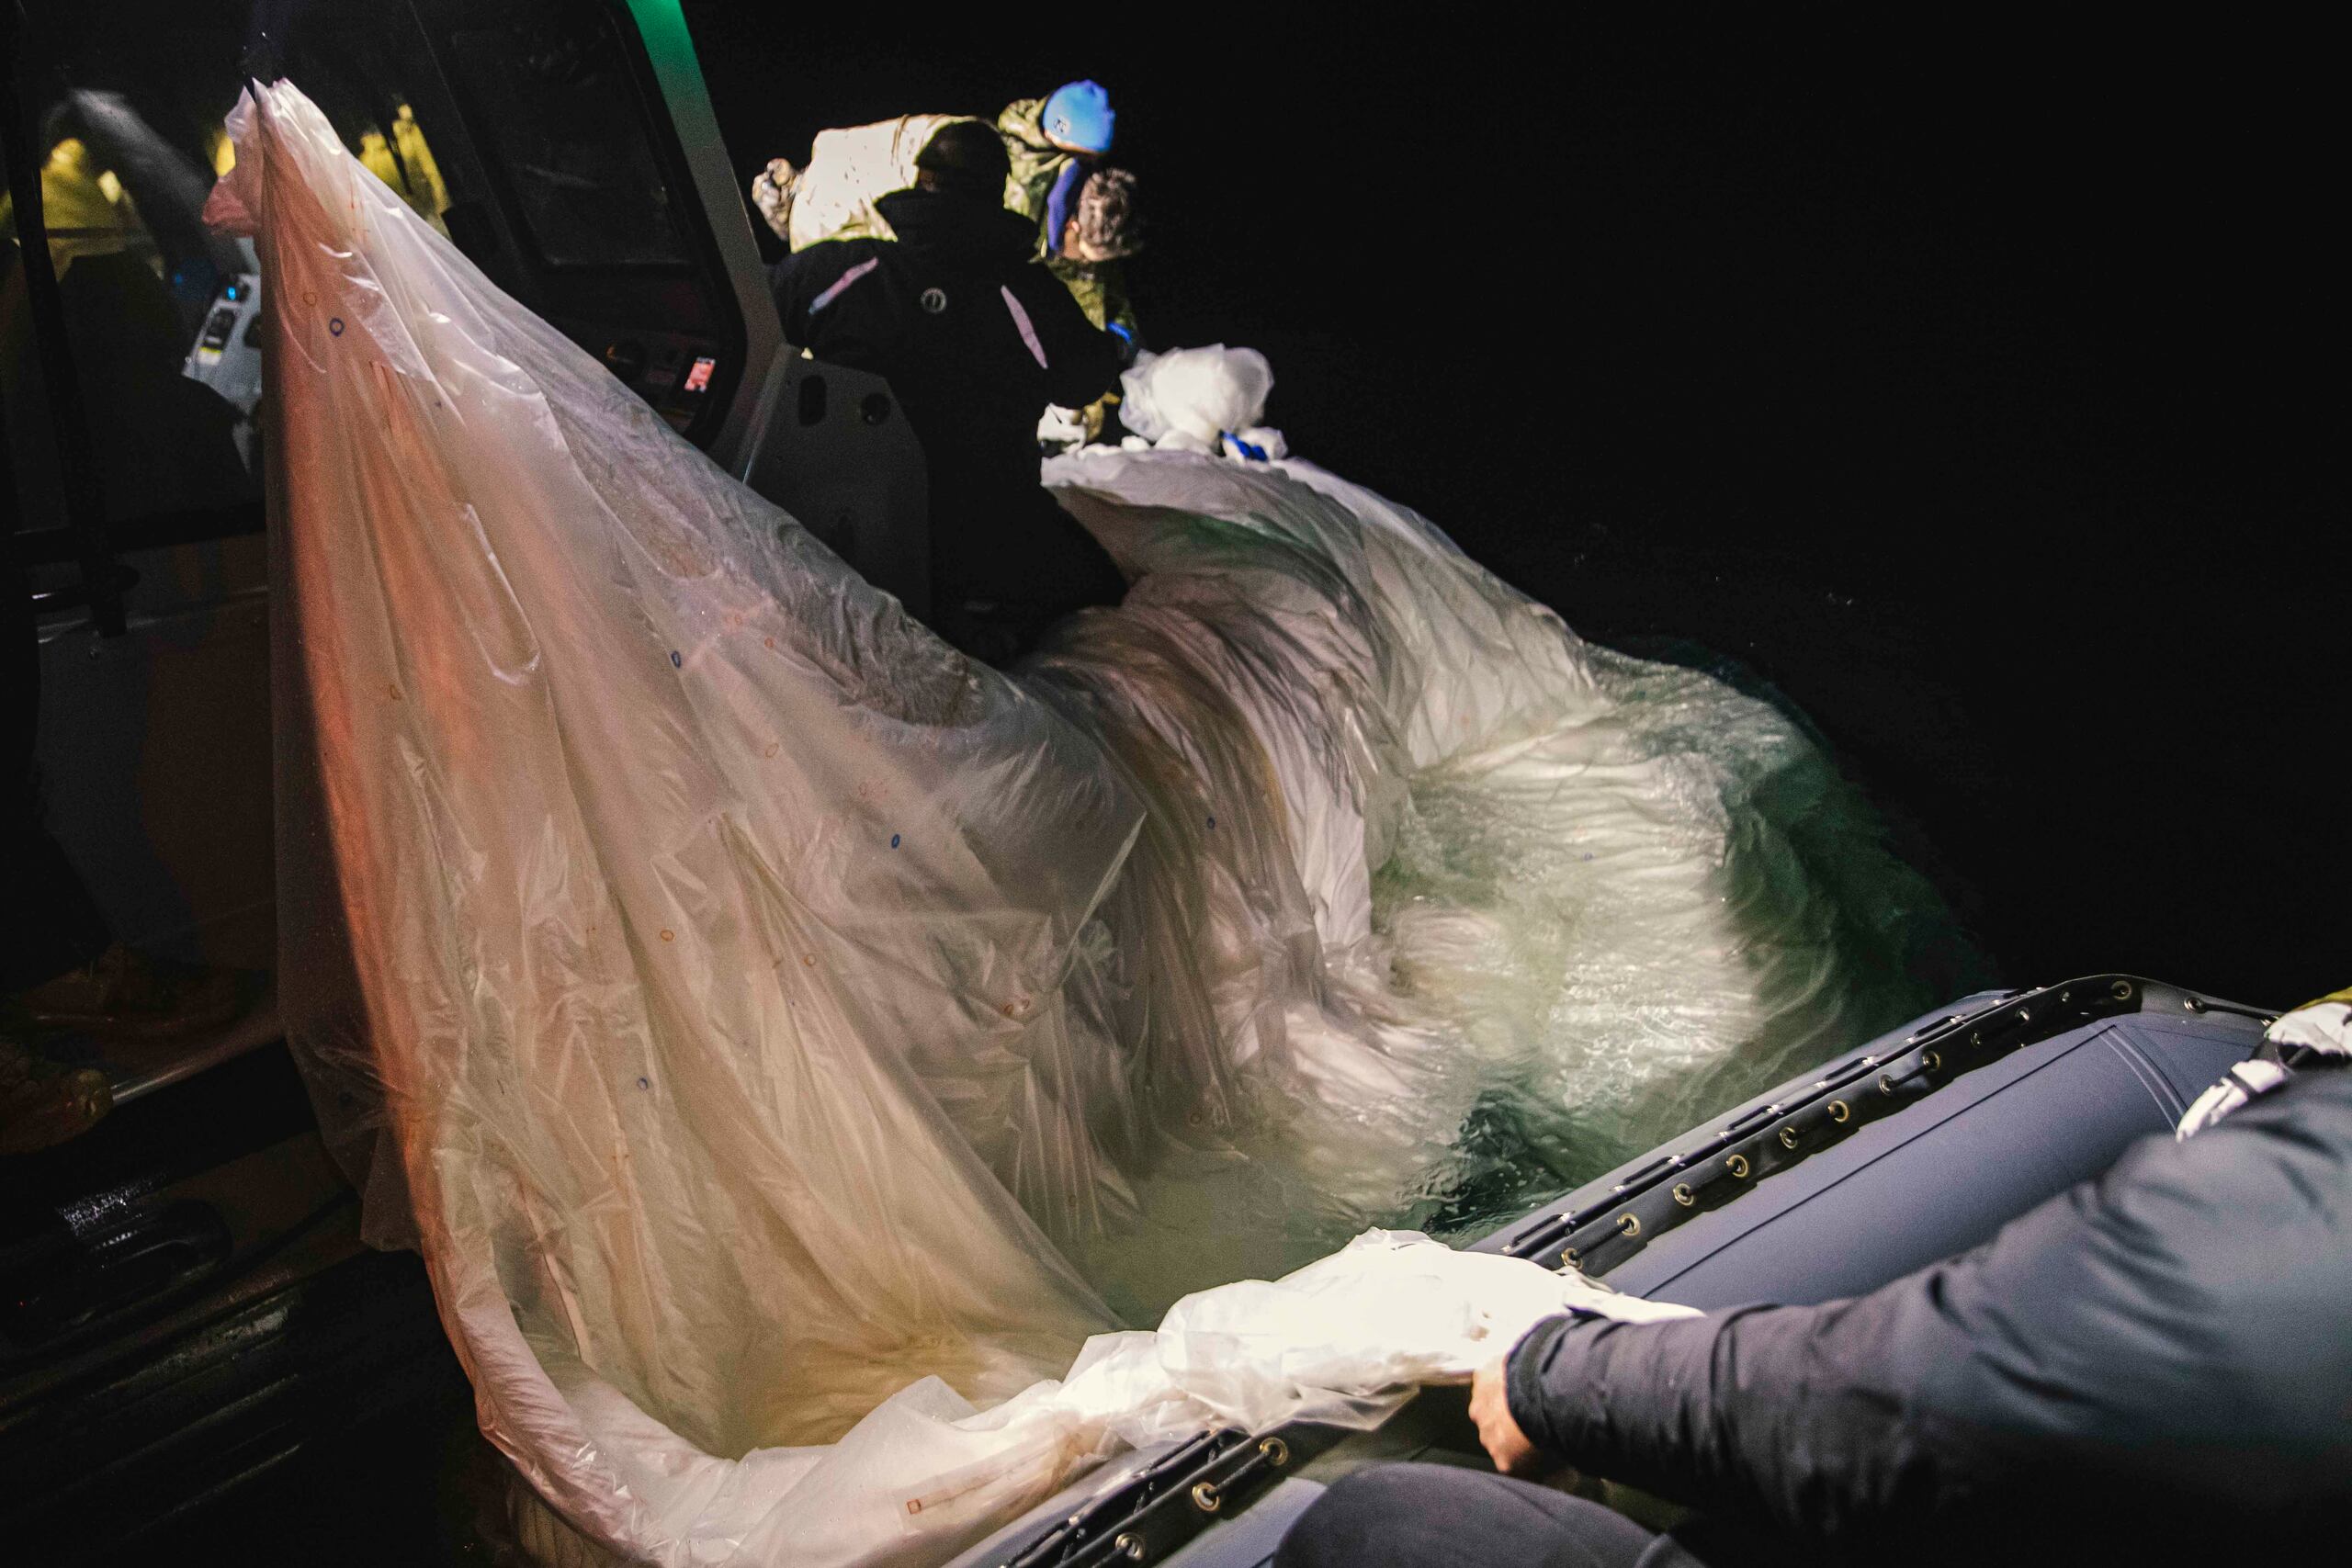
(1919, 1144)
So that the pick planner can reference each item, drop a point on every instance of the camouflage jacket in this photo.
(1100, 290)
(1036, 163)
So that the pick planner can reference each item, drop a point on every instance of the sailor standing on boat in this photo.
(2156, 1363)
(976, 341)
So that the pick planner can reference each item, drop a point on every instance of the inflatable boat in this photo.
(1919, 1144)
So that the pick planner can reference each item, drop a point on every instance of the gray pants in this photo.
(1428, 1516)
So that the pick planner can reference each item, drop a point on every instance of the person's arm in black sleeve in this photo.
(2162, 1336)
(788, 281)
(1081, 361)
(1778, 1411)
(801, 279)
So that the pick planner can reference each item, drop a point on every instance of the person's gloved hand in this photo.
(1060, 429)
(2315, 1035)
(772, 190)
(1127, 342)
(1491, 1387)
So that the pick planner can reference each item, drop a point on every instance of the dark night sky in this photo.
(1972, 382)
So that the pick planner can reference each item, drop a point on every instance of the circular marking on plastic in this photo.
(1212, 818)
(934, 300)
(393, 690)
(1683, 1195)
(334, 326)
(645, 1083)
(771, 642)
(809, 961)
(771, 751)
(1737, 1166)
(676, 661)
(894, 840)
(1629, 1225)
(309, 296)
(669, 936)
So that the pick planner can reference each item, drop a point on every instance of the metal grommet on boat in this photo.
(1277, 1452)
(1840, 1110)
(1976, 1038)
(1629, 1225)
(1128, 1545)
(1569, 1256)
(2120, 990)
(1683, 1195)
(2024, 1017)
(1885, 1083)
(1205, 1498)
(2194, 1004)
(1737, 1166)
(1788, 1137)
(1930, 1060)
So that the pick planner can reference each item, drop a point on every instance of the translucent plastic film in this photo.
(797, 1050)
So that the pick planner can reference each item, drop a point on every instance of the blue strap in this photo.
(1059, 203)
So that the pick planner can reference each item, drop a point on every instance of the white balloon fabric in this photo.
(797, 1050)
(1191, 398)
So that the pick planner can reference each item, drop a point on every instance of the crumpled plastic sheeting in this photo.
(1193, 399)
(1564, 903)
(753, 1006)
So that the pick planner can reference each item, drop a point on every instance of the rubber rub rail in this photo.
(1771, 1138)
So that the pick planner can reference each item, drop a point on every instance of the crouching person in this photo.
(976, 341)
(2154, 1367)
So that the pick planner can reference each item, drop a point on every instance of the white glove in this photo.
(2323, 1030)
(1061, 428)
(1591, 1298)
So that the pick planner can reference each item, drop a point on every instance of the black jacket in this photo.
(2157, 1361)
(975, 339)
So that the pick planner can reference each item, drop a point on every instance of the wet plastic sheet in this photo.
(753, 1008)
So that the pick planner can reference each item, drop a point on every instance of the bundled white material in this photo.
(756, 1007)
(1188, 399)
(833, 196)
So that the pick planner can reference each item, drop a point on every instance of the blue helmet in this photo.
(1079, 117)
